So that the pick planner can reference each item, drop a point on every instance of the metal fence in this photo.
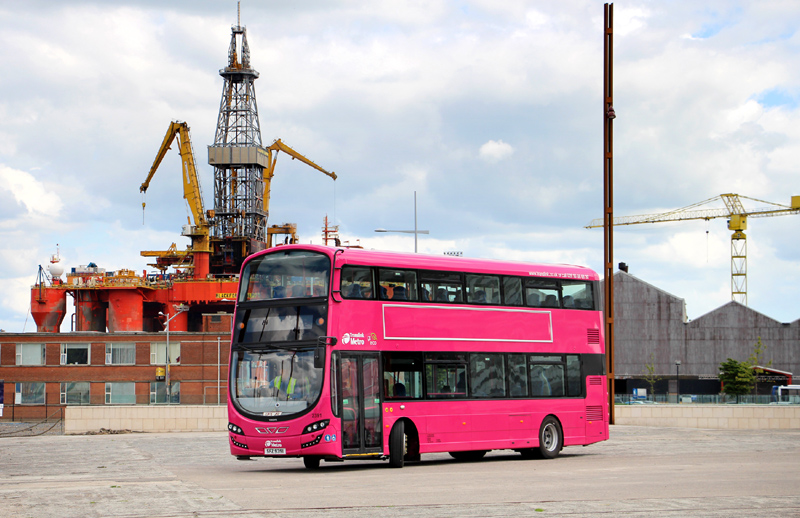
(712, 399)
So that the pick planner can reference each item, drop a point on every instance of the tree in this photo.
(737, 378)
(757, 359)
(650, 375)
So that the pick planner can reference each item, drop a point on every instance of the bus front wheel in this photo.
(551, 439)
(397, 445)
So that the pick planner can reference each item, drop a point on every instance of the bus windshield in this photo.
(292, 274)
(275, 383)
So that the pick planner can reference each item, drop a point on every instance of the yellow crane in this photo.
(737, 222)
(199, 231)
(272, 158)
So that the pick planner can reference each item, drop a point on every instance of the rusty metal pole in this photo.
(608, 198)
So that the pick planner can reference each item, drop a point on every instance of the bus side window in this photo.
(542, 293)
(546, 375)
(356, 282)
(487, 375)
(446, 381)
(517, 375)
(512, 291)
(398, 284)
(573, 375)
(577, 294)
(483, 289)
(402, 375)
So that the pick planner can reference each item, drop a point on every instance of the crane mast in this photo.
(736, 214)
(199, 229)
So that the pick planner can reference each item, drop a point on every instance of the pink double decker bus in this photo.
(342, 354)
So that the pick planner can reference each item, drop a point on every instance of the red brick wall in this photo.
(197, 371)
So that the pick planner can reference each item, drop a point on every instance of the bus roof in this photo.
(358, 256)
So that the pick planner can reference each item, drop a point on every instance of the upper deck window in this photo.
(577, 295)
(483, 289)
(512, 291)
(281, 275)
(440, 287)
(542, 293)
(397, 284)
(357, 282)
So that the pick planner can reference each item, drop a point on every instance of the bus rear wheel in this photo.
(551, 440)
(397, 445)
(311, 462)
(468, 456)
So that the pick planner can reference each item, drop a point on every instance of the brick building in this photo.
(43, 372)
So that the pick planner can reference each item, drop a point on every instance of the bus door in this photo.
(360, 403)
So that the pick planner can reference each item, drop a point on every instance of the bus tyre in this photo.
(397, 445)
(550, 438)
(311, 462)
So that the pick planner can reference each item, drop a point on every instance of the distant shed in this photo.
(652, 328)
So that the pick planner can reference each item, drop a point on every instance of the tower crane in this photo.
(737, 222)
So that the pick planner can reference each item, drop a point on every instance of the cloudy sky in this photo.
(491, 111)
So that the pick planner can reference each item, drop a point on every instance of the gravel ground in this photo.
(30, 429)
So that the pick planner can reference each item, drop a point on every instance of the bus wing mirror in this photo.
(319, 356)
(319, 350)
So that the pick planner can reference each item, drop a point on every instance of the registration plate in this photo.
(274, 451)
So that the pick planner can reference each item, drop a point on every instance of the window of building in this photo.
(441, 287)
(158, 392)
(121, 353)
(483, 289)
(30, 354)
(487, 375)
(357, 282)
(29, 393)
(76, 393)
(74, 354)
(158, 353)
(121, 393)
(402, 375)
(398, 284)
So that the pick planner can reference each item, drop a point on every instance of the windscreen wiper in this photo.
(264, 324)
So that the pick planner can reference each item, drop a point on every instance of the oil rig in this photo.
(204, 276)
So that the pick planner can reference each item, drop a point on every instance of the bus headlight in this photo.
(235, 429)
(315, 427)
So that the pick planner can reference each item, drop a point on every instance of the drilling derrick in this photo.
(239, 159)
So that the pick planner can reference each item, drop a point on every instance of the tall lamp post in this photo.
(415, 231)
(179, 308)
(678, 379)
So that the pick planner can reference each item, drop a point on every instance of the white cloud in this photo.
(36, 197)
(495, 150)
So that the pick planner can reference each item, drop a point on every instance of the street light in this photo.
(415, 231)
(179, 308)
(678, 379)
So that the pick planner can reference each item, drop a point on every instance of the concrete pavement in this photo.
(641, 471)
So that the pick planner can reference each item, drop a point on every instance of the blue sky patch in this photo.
(777, 97)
